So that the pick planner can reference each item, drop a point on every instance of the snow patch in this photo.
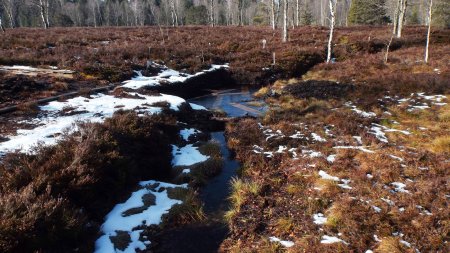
(399, 187)
(327, 176)
(93, 109)
(281, 149)
(286, 244)
(331, 239)
(165, 76)
(317, 137)
(117, 220)
(396, 157)
(379, 132)
(361, 148)
(360, 112)
(311, 153)
(331, 158)
(186, 133)
(197, 107)
(319, 219)
(187, 155)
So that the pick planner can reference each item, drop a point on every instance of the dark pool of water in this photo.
(215, 193)
(235, 103)
(226, 101)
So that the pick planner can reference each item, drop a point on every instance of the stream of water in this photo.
(208, 236)
(235, 103)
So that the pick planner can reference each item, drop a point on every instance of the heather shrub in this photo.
(30, 220)
(49, 197)
(111, 53)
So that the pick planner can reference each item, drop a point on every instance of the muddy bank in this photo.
(318, 89)
(197, 85)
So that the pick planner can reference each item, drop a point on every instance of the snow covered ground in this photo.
(148, 204)
(134, 212)
(167, 76)
(52, 122)
(94, 109)
(187, 155)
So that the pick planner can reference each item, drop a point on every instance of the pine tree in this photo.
(369, 12)
(307, 17)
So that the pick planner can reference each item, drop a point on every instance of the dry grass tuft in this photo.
(389, 245)
(441, 145)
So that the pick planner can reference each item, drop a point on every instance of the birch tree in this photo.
(1, 24)
(241, 12)
(173, 12)
(134, 7)
(229, 8)
(399, 17)
(332, 5)
(272, 14)
(285, 20)
(93, 6)
(275, 11)
(211, 13)
(430, 12)
(43, 6)
(11, 8)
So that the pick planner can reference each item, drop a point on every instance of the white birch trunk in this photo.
(277, 12)
(285, 20)
(211, 15)
(1, 24)
(430, 12)
(135, 10)
(396, 13)
(9, 6)
(332, 23)
(94, 12)
(401, 17)
(229, 12)
(322, 14)
(297, 15)
(272, 13)
(11, 19)
(241, 12)
(47, 10)
(42, 8)
(386, 56)
(174, 13)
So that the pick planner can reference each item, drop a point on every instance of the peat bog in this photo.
(195, 140)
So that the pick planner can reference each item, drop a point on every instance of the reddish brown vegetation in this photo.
(291, 191)
(54, 199)
(111, 53)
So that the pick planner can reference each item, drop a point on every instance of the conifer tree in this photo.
(368, 12)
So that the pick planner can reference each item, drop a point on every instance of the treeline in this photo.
(66, 13)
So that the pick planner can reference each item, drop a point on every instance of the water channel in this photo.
(207, 237)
